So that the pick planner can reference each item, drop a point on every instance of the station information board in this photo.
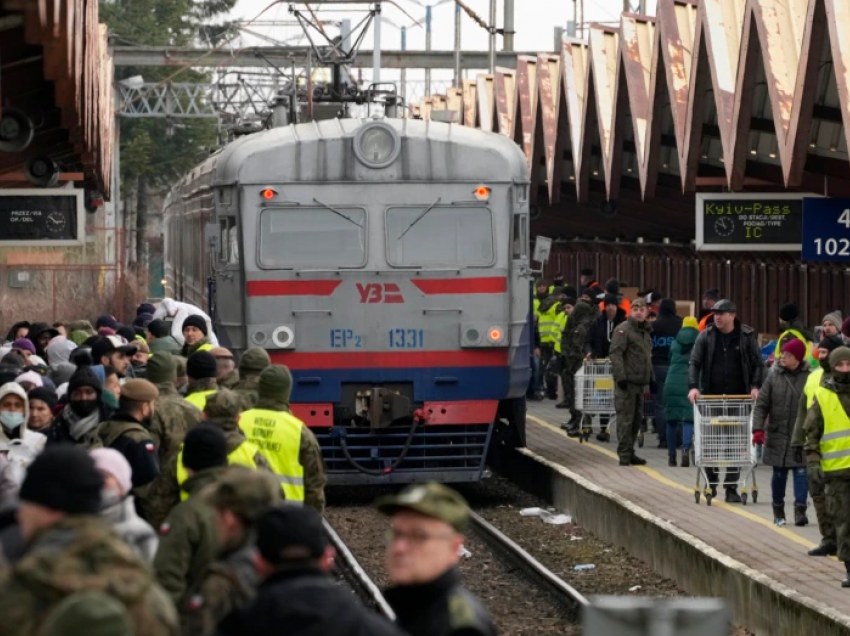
(826, 229)
(745, 221)
(42, 216)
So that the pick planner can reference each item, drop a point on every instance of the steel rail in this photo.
(559, 590)
(354, 573)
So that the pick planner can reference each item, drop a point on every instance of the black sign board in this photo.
(749, 222)
(41, 216)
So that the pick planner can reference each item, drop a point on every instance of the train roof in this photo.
(322, 151)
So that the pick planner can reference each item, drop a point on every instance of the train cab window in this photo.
(453, 236)
(315, 237)
(520, 236)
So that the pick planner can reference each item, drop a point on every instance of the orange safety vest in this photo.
(626, 306)
(704, 322)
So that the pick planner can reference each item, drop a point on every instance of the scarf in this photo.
(78, 426)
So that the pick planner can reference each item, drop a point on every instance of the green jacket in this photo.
(575, 336)
(188, 540)
(188, 349)
(814, 426)
(163, 345)
(631, 353)
(247, 389)
(230, 380)
(678, 407)
(81, 554)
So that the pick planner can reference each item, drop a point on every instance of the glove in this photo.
(758, 438)
(798, 454)
(623, 384)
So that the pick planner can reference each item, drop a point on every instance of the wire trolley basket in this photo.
(594, 387)
(723, 440)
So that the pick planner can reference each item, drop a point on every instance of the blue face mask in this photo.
(11, 420)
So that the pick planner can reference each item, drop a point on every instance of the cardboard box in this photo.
(685, 308)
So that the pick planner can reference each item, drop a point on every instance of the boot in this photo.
(732, 496)
(603, 435)
(824, 549)
(671, 460)
(800, 518)
(779, 515)
(637, 461)
(846, 582)
(686, 459)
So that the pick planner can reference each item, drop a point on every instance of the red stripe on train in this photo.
(391, 359)
(483, 285)
(292, 287)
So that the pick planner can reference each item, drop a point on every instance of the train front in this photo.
(385, 263)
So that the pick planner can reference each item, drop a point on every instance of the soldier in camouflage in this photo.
(182, 381)
(172, 419)
(572, 347)
(631, 366)
(251, 365)
(239, 499)
(72, 555)
(227, 376)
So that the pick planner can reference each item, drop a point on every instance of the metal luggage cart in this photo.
(594, 393)
(723, 433)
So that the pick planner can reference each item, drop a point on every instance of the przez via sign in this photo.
(749, 222)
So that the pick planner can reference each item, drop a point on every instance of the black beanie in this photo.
(830, 343)
(788, 312)
(195, 321)
(64, 478)
(159, 328)
(44, 394)
(84, 376)
(205, 447)
(201, 365)
(127, 332)
(667, 307)
(571, 291)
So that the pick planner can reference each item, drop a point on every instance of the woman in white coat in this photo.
(18, 444)
(178, 312)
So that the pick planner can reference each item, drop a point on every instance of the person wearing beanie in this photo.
(142, 321)
(291, 448)
(201, 367)
(612, 286)
(227, 376)
(251, 364)
(230, 583)
(195, 336)
(793, 327)
(678, 411)
(145, 308)
(831, 323)
(25, 347)
(159, 338)
(117, 506)
(179, 312)
(72, 553)
(827, 445)
(187, 538)
(30, 380)
(42, 401)
(85, 410)
(663, 333)
(107, 322)
(586, 279)
(778, 400)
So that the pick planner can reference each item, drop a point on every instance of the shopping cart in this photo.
(723, 439)
(594, 393)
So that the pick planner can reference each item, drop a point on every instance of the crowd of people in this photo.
(800, 389)
(150, 483)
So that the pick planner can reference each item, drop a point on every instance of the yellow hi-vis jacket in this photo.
(812, 384)
(199, 399)
(562, 324)
(813, 363)
(243, 455)
(835, 442)
(277, 435)
(548, 325)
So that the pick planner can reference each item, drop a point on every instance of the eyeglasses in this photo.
(415, 538)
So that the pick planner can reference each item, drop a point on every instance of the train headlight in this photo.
(495, 335)
(377, 145)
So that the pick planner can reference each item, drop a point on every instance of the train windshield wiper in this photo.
(338, 213)
(419, 218)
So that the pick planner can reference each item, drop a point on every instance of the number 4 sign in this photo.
(826, 229)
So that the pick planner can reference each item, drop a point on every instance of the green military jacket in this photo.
(631, 353)
(247, 390)
(815, 424)
(75, 555)
(166, 344)
(230, 380)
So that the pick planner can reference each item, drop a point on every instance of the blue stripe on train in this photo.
(429, 384)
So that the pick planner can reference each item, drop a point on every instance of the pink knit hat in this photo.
(795, 348)
(111, 462)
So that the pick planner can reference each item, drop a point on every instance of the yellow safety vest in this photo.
(562, 324)
(812, 384)
(835, 442)
(536, 306)
(799, 337)
(548, 325)
(199, 399)
(243, 455)
(278, 436)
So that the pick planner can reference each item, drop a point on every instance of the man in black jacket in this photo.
(726, 360)
(664, 331)
(297, 597)
(426, 534)
(599, 339)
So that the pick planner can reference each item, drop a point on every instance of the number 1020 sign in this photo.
(826, 229)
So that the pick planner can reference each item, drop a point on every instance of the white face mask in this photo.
(109, 497)
(11, 420)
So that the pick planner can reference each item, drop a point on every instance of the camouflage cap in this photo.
(432, 500)
(92, 613)
(246, 493)
(254, 360)
(224, 403)
(638, 302)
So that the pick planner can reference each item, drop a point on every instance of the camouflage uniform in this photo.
(133, 440)
(230, 583)
(251, 364)
(81, 554)
(572, 347)
(188, 349)
(631, 365)
(187, 539)
(230, 380)
(246, 388)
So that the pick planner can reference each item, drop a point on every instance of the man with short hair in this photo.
(251, 365)
(230, 583)
(427, 524)
(72, 552)
(113, 351)
(631, 367)
(726, 360)
(706, 316)
(201, 367)
(227, 376)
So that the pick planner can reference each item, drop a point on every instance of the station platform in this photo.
(773, 558)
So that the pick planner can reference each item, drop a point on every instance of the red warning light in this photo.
(482, 193)
(268, 194)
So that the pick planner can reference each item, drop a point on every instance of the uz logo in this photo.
(373, 293)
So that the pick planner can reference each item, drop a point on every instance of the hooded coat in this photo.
(775, 412)
(677, 406)
(59, 350)
(22, 445)
(178, 312)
